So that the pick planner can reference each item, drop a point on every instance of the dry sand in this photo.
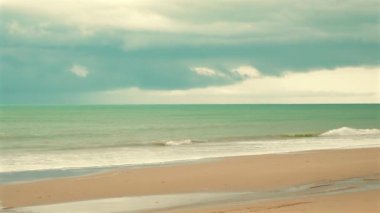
(247, 173)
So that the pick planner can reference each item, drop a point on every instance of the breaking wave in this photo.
(347, 131)
(177, 142)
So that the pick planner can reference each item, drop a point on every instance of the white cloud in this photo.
(18, 29)
(246, 72)
(207, 71)
(15, 28)
(127, 15)
(340, 85)
(79, 70)
(260, 20)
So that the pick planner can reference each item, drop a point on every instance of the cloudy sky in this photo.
(186, 51)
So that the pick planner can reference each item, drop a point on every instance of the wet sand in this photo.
(235, 174)
(367, 201)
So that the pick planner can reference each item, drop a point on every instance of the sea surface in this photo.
(50, 141)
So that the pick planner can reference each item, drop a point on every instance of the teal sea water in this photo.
(42, 138)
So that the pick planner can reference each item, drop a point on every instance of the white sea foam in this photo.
(178, 142)
(347, 131)
(140, 155)
(175, 142)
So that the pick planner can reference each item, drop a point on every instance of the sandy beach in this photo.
(234, 174)
(180, 106)
(367, 201)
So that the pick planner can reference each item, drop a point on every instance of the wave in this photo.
(347, 131)
(300, 135)
(177, 142)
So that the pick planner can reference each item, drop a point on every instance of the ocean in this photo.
(55, 141)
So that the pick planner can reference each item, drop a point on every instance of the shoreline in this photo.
(228, 174)
(72, 172)
(362, 201)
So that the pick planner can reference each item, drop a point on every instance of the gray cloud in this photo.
(152, 45)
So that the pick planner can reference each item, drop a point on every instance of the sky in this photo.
(189, 52)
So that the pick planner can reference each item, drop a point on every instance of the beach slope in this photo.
(234, 174)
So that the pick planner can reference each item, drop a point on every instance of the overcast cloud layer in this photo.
(180, 51)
